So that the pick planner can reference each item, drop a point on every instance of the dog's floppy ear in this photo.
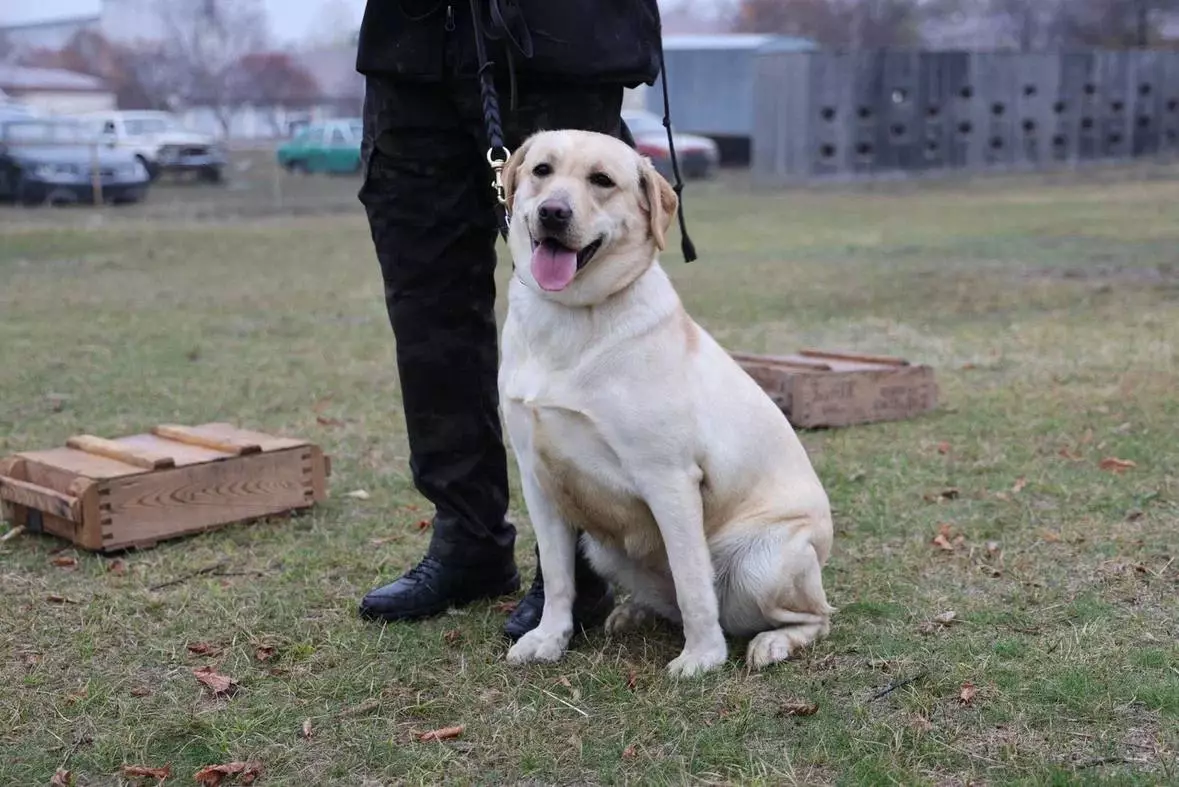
(511, 171)
(661, 202)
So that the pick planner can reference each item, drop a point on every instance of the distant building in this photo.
(53, 34)
(710, 85)
(54, 90)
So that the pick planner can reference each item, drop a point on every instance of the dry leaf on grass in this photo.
(64, 561)
(943, 447)
(140, 691)
(324, 420)
(1019, 485)
(213, 775)
(442, 734)
(630, 752)
(453, 636)
(798, 708)
(951, 493)
(203, 649)
(61, 778)
(921, 724)
(564, 681)
(1051, 537)
(117, 567)
(1070, 455)
(1114, 465)
(265, 652)
(966, 695)
(632, 679)
(942, 539)
(938, 622)
(380, 542)
(53, 598)
(151, 773)
(505, 607)
(424, 524)
(306, 732)
(219, 685)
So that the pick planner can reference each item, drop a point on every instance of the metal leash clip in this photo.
(497, 166)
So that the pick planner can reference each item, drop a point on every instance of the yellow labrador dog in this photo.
(628, 421)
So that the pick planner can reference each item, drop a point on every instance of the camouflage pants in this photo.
(431, 213)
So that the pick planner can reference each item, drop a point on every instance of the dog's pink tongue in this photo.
(553, 267)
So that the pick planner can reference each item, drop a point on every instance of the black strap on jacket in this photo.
(508, 23)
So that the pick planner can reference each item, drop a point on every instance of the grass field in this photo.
(1050, 310)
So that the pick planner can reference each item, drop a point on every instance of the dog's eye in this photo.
(601, 179)
(542, 169)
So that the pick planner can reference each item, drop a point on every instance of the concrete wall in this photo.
(864, 114)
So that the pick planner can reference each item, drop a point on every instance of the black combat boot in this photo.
(591, 606)
(436, 584)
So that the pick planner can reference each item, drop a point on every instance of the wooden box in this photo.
(817, 388)
(106, 495)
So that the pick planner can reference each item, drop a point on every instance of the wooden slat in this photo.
(887, 360)
(268, 442)
(113, 450)
(190, 436)
(796, 361)
(41, 498)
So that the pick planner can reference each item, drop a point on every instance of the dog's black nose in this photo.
(554, 214)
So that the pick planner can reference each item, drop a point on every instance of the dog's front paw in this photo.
(627, 617)
(538, 645)
(698, 661)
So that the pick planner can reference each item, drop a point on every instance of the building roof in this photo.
(60, 21)
(18, 79)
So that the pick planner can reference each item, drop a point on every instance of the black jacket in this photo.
(572, 40)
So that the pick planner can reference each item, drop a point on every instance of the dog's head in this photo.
(589, 214)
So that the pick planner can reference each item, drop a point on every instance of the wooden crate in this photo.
(817, 388)
(105, 495)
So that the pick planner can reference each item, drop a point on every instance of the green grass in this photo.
(1050, 309)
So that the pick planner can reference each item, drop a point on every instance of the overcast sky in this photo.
(289, 19)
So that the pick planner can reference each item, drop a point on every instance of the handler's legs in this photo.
(434, 238)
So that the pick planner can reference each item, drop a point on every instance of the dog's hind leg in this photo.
(771, 586)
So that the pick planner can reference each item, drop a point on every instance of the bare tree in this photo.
(335, 24)
(206, 39)
(1114, 23)
(1028, 24)
(842, 23)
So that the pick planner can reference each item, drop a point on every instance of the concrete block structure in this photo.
(848, 115)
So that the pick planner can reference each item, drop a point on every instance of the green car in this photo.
(332, 146)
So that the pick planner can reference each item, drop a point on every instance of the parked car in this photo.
(332, 146)
(13, 111)
(698, 156)
(46, 159)
(161, 142)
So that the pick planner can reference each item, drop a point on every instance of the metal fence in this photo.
(863, 114)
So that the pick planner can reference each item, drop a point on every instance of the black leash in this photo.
(511, 26)
(686, 246)
(497, 152)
